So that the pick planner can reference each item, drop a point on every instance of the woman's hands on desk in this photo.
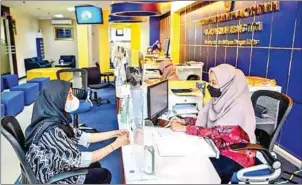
(178, 124)
(121, 140)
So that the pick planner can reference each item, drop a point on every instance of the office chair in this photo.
(193, 77)
(11, 130)
(94, 83)
(279, 106)
(83, 94)
(106, 75)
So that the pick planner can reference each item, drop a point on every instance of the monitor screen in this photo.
(89, 14)
(157, 99)
(167, 46)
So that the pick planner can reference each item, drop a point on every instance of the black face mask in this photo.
(214, 92)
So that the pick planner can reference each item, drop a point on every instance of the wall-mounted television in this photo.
(89, 14)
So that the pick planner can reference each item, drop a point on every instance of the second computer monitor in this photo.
(157, 100)
(167, 47)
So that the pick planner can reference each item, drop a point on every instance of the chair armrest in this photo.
(46, 61)
(65, 175)
(270, 159)
(243, 176)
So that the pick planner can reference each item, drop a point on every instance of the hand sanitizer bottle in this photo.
(149, 162)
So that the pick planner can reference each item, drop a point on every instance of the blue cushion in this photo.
(84, 107)
(2, 110)
(30, 90)
(10, 81)
(252, 174)
(13, 101)
(41, 81)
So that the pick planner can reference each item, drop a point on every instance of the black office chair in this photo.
(95, 83)
(278, 107)
(193, 77)
(106, 75)
(83, 94)
(11, 130)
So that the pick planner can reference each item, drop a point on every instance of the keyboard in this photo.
(181, 90)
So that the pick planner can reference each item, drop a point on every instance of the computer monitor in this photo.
(89, 14)
(167, 47)
(157, 100)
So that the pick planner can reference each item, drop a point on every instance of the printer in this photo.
(185, 104)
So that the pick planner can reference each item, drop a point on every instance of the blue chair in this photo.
(268, 168)
(10, 81)
(13, 102)
(30, 90)
(11, 130)
(3, 113)
(41, 81)
(68, 59)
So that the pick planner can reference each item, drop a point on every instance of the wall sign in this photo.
(247, 42)
(267, 7)
(241, 28)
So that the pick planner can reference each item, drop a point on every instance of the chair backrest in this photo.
(83, 75)
(94, 75)
(69, 58)
(193, 77)
(278, 107)
(97, 64)
(12, 131)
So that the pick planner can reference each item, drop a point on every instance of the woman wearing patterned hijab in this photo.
(228, 118)
(52, 143)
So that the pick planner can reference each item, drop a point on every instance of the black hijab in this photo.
(49, 111)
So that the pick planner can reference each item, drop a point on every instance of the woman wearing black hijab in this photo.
(52, 143)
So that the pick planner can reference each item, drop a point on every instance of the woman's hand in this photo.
(120, 132)
(176, 126)
(122, 140)
(176, 119)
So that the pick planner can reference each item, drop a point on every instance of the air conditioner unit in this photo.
(61, 22)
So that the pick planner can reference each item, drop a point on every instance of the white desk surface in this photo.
(192, 169)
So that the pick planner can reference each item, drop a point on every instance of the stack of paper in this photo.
(185, 109)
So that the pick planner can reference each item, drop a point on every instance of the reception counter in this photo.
(47, 72)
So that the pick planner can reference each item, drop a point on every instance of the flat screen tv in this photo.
(89, 14)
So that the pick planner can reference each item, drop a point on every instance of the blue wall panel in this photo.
(264, 35)
(298, 35)
(243, 61)
(231, 56)
(283, 24)
(295, 84)
(278, 66)
(291, 137)
(259, 62)
(220, 53)
(154, 23)
(211, 57)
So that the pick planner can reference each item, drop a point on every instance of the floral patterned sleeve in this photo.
(190, 121)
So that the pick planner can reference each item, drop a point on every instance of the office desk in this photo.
(193, 169)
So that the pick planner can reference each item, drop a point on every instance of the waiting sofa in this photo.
(35, 62)
(68, 59)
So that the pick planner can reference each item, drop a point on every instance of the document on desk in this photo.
(184, 145)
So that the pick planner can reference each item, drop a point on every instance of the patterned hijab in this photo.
(234, 106)
(49, 110)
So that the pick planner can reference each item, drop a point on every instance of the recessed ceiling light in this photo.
(71, 9)
(58, 15)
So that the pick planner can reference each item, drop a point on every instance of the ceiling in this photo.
(47, 9)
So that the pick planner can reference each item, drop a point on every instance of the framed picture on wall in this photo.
(119, 32)
(63, 33)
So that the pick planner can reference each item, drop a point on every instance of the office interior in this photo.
(41, 39)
